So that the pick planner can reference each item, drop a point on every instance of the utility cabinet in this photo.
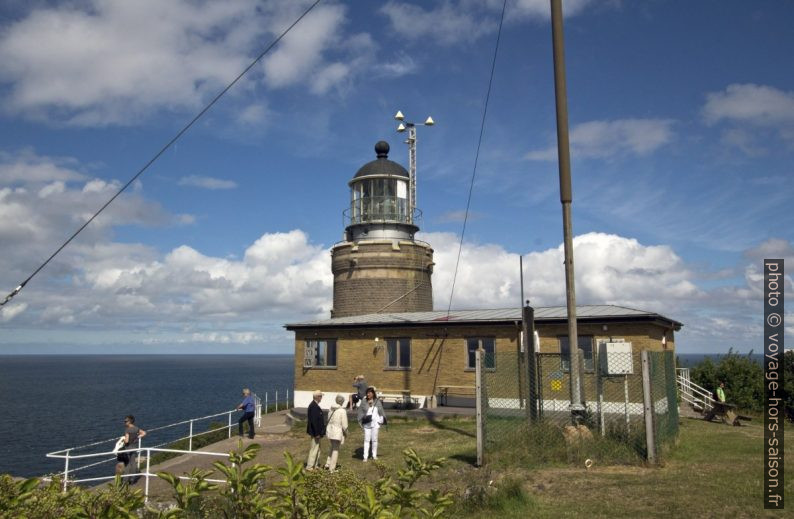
(616, 358)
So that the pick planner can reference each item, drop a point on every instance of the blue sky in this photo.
(682, 139)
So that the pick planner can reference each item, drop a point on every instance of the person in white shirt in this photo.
(371, 417)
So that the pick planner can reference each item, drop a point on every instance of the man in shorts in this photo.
(131, 435)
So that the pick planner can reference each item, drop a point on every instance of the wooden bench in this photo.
(443, 392)
(400, 397)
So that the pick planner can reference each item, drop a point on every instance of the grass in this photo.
(714, 470)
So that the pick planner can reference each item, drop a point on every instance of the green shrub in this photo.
(294, 493)
(743, 377)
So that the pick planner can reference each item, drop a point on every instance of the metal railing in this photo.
(380, 209)
(260, 407)
(147, 474)
(696, 396)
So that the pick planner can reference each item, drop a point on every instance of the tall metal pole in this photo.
(563, 153)
(412, 170)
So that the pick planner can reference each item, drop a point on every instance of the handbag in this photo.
(367, 419)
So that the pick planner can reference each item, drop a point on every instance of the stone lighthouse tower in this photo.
(380, 267)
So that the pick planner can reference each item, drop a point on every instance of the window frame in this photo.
(399, 343)
(318, 342)
(480, 338)
(565, 362)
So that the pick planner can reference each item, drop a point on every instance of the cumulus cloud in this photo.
(606, 139)
(609, 269)
(113, 62)
(185, 295)
(207, 182)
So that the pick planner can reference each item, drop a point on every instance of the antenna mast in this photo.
(411, 142)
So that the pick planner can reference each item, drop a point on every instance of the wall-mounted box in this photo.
(616, 358)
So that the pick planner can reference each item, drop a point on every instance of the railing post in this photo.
(277, 400)
(287, 398)
(266, 409)
(138, 456)
(190, 438)
(146, 489)
(258, 412)
(66, 469)
(479, 405)
(230, 424)
(647, 397)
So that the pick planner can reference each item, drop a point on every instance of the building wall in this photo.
(369, 275)
(643, 336)
(438, 355)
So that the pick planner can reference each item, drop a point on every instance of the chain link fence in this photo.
(525, 405)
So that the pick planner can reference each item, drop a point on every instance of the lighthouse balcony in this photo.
(381, 209)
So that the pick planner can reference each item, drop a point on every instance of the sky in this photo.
(682, 138)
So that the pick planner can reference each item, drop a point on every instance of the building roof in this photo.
(543, 315)
(381, 166)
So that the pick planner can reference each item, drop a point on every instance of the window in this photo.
(320, 353)
(398, 353)
(487, 343)
(585, 344)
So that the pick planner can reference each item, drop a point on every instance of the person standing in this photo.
(131, 435)
(247, 406)
(316, 429)
(361, 389)
(371, 417)
(720, 393)
(336, 431)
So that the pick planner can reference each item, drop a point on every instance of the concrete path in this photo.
(271, 435)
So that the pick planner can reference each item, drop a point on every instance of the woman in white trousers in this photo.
(371, 417)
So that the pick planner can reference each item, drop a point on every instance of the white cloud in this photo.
(25, 166)
(300, 52)
(754, 113)
(207, 182)
(757, 104)
(254, 114)
(609, 269)
(454, 22)
(9, 311)
(448, 23)
(606, 139)
(113, 62)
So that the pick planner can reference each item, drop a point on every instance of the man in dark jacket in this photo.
(316, 429)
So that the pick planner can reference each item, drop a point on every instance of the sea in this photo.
(53, 402)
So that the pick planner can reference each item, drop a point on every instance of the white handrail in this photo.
(147, 474)
(191, 434)
(691, 392)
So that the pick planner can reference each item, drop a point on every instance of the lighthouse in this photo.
(380, 267)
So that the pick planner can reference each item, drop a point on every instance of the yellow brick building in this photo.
(430, 354)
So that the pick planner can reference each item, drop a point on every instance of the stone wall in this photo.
(382, 276)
